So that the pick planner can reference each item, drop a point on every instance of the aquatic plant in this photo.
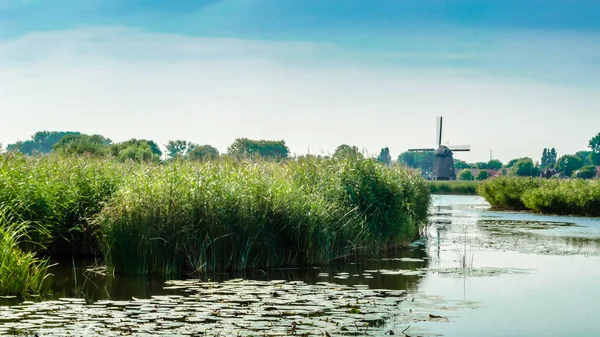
(237, 214)
(20, 272)
(552, 196)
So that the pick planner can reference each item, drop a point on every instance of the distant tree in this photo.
(586, 172)
(421, 160)
(585, 157)
(461, 164)
(482, 175)
(203, 152)
(490, 165)
(594, 159)
(512, 163)
(82, 144)
(594, 143)
(466, 174)
(548, 158)
(41, 142)
(525, 168)
(269, 149)
(568, 164)
(140, 150)
(179, 148)
(384, 156)
(345, 151)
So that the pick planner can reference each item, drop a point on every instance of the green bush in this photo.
(454, 187)
(466, 174)
(586, 172)
(505, 192)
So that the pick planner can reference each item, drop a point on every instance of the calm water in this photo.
(545, 280)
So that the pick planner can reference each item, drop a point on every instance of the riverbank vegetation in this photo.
(223, 214)
(456, 187)
(552, 196)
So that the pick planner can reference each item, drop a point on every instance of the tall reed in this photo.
(551, 196)
(454, 187)
(20, 273)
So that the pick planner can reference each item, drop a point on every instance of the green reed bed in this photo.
(224, 214)
(20, 272)
(60, 194)
(246, 214)
(551, 196)
(454, 187)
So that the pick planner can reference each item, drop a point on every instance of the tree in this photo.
(490, 165)
(594, 159)
(584, 156)
(586, 172)
(82, 144)
(548, 158)
(249, 148)
(345, 151)
(465, 174)
(422, 160)
(461, 164)
(41, 142)
(179, 148)
(512, 163)
(203, 152)
(140, 150)
(525, 168)
(568, 164)
(594, 144)
(384, 156)
(482, 175)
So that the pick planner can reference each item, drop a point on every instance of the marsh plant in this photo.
(553, 196)
(185, 216)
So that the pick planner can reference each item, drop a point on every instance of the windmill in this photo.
(443, 162)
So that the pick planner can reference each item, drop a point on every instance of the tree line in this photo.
(581, 164)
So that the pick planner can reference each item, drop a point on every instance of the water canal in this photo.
(480, 273)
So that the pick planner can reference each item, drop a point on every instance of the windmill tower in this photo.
(443, 162)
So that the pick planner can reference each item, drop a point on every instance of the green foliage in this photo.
(384, 156)
(59, 194)
(594, 143)
(573, 196)
(179, 148)
(267, 149)
(346, 151)
(482, 175)
(512, 163)
(41, 142)
(20, 273)
(466, 174)
(490, 165)
(594, 159)
(525, 168)
(568, 164)
(454, 187)
(81, 144)
(203, 152)
(549, 157)
(461, 165)
(232, 214)
(505, 192)
(137, 150)
(421, 160)
(586, 172)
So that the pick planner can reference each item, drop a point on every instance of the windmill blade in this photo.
(438, 132)
(421, 150)
(460, 148)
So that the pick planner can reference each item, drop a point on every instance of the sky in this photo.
(510, 77)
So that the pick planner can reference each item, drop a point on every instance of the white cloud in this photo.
(124, 83)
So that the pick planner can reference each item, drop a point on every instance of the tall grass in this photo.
(454, 187)
(243, 214)
(20, 272)
(59, 194)
(223, 214)
(551, 196)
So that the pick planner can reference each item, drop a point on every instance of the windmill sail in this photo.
(438, 132)
(460, 148)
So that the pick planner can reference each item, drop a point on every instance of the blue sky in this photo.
(316, 73)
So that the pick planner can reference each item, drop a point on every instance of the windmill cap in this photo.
(442, 151)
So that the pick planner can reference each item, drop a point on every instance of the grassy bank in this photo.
(551, 196)
(454, 187)
(225, 214)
